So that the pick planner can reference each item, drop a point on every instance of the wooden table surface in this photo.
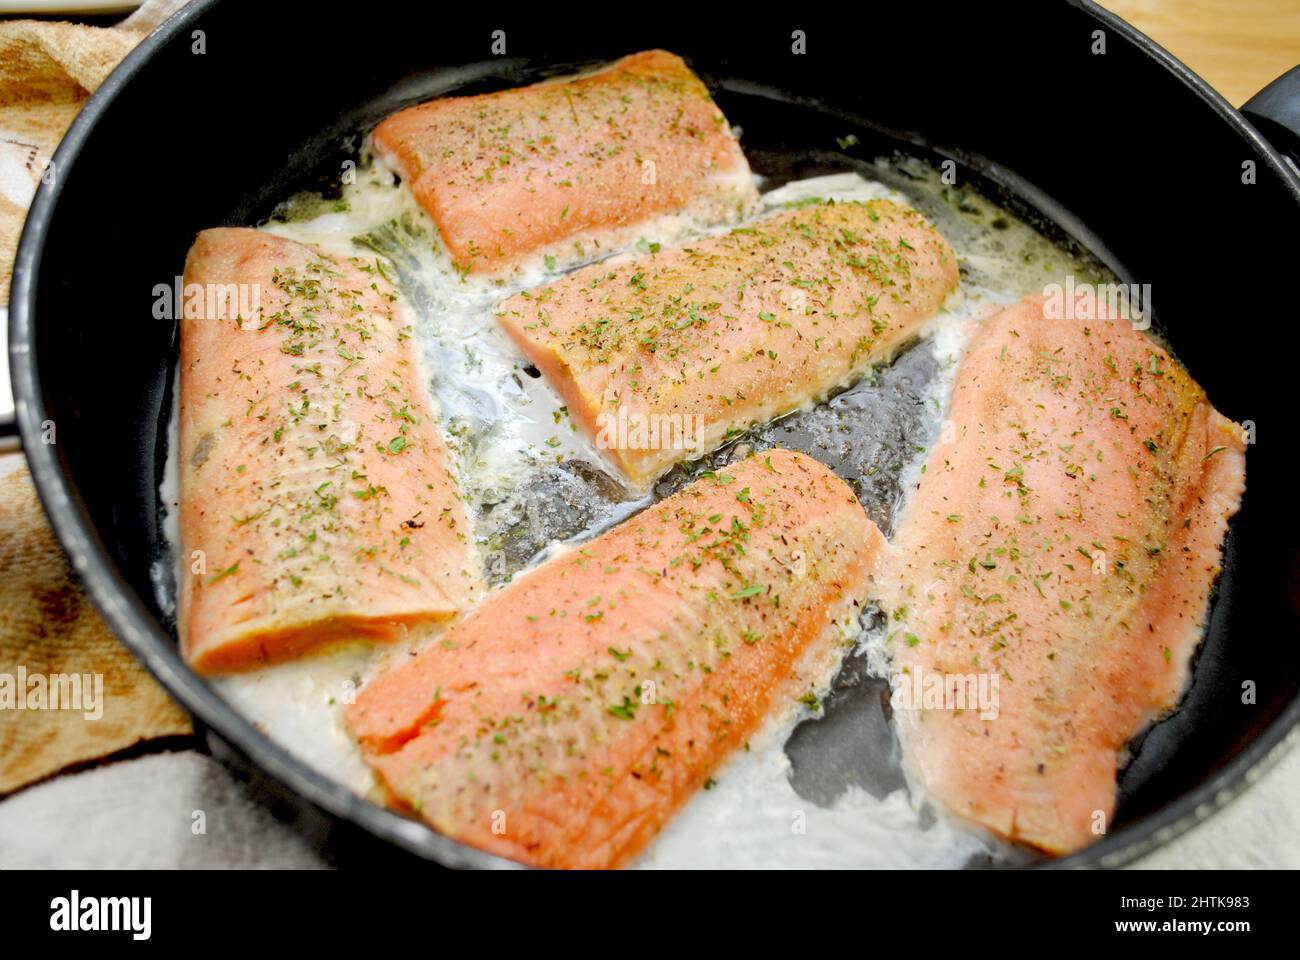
(1239, 46)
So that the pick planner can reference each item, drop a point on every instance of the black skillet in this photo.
(1123, 153)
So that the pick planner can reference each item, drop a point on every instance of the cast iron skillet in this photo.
(1124, 153)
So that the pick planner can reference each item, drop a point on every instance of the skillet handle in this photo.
(1275, 112)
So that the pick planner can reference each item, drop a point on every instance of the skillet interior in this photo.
(1068, 131)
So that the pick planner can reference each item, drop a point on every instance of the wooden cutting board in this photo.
(1239, 46)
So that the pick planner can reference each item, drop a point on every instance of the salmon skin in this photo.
(317, 502)
(564, 720)
(1058, 553)
(665, 356)
(565, 167)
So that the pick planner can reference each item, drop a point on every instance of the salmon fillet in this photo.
(1064, 546)
(317, 503)
(564, 721)
(537, 169)
(664, 356)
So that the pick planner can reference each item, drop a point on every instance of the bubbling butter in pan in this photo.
(537, 487)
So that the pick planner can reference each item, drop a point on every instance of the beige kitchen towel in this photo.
(69, 691)
(47, 70)
(50, 632)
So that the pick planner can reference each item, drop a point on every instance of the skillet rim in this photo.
(153, 646)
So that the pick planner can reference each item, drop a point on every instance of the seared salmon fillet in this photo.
(317, 501)
(666, 355)
(564, 720)
(537, 169)
(1062, 545)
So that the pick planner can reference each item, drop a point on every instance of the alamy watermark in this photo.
(623, 430)
(921, 689)
(75, 913)
(1099, 301)
(206, 301)
(83, 692)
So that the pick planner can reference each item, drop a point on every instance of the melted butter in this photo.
(537, 486)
